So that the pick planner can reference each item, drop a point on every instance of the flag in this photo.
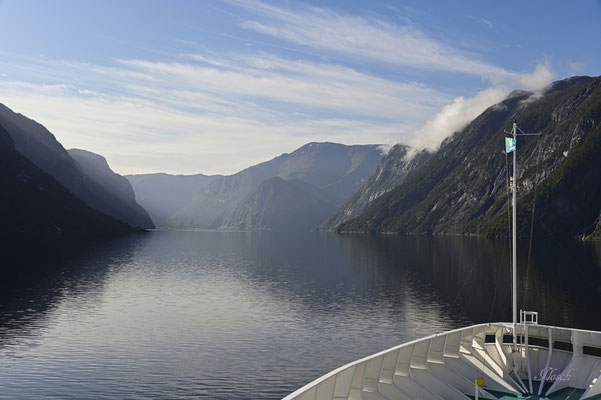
(509, 145)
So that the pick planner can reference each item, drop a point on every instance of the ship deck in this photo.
(446, 366)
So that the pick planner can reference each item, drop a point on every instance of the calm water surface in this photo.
(232, 315)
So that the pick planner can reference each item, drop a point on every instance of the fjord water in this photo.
(255, 315)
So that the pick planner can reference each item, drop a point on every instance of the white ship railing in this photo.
(446, 366)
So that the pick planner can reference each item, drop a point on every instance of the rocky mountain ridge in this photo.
(462, 188)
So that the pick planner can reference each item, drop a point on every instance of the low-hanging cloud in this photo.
(536, 80)
(461, 111)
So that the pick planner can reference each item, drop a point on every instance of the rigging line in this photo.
(495, 276)
(531, 233)
(508, 197)
(594, 224)
(467, 278)
(508, 202)
(439, 329)
(505, 240)
(584, 275)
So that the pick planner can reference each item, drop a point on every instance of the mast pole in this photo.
(515, 257)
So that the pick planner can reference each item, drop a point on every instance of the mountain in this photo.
(95, 167)
(393, 169)
(281, 205)
(122, 199)
(35, 142)
(32, 201)
(163, 194)
(337, 170)
(462, 188)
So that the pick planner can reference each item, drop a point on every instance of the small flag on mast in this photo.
(509, 145)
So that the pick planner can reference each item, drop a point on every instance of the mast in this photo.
(511, 146)
(514, 246)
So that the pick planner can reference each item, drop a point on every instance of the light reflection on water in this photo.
(235, 315)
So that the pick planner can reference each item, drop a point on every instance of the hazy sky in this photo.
(215, 86)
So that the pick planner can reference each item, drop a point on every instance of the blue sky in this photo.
(215, 86)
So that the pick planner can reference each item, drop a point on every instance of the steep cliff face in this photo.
(115, 189)
(39, 145)
(394, 168)
(32, 201)
(338, 170)
(462, 189)
(95, 167)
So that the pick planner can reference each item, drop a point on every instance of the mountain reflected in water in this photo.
(237, 315)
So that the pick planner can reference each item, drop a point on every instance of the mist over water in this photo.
(255, 315)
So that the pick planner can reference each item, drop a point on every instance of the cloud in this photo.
(318, 86)
(461, 111)
(366, 38)
(537, 80)
(141, 136)
(453, 117)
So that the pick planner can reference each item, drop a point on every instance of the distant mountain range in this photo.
(296, 191)
(323, 174)
(84, 174)
(462, 188)
(163, 194)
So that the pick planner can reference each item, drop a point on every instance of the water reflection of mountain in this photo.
(563, 279)
(40, 273)
(565, 282)
(322, 273)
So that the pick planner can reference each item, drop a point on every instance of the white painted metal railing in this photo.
(446, 365)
